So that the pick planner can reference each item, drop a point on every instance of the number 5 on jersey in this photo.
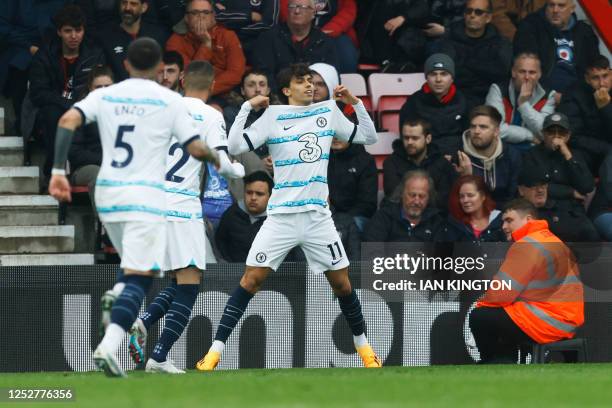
(121, 144)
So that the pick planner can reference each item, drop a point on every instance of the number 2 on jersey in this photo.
(170, 176)
(120, 143)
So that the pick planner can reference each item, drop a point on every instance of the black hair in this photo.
(285, 76)
(70, 15)
(423, 123)
(144, 53)
(488, 111)
(598, 62)
(259, 175)
(173, 57)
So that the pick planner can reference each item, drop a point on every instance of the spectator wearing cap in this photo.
(295, 41)
(589, 111)
(115, 38)
(486, 155)
(570, 178)
(59, 73)
(409, 215)
(206, 40)
(440, 103)
(248, 19)
(522, 101)
(563, 43)
(568, 224)
(482, 56)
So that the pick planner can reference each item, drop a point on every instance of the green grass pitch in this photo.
(558, 385)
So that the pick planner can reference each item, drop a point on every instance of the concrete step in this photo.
(2, 119)
(28, 210)
(46, 259)
(36, 239)
(11, 151)
(19, 180)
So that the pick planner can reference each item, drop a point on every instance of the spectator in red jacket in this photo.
(208, 41)
(335, 18)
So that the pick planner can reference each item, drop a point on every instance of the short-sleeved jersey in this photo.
(299, 140)
(136, 120)
(183, 171)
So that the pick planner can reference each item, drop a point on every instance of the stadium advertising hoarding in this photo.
(50, 315)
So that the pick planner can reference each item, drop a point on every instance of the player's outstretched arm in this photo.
(229, 169)
(199, 150)
(240, 140)
(365, 131)
(59, 187)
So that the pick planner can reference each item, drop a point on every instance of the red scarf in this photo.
(446, 99)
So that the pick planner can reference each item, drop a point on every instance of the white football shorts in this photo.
(140, 244)
(313, 231)
(186, 245)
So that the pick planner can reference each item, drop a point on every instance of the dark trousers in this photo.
(497, 336)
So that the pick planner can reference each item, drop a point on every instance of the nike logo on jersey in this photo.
(288, 127)
(336, 262)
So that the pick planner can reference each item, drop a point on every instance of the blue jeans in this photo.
(360, 221)
(347, 54)
(603, 223)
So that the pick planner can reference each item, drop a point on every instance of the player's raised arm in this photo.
(217, 139)
(242, 140)
(199, 150)
(59, 187)
(364, 132)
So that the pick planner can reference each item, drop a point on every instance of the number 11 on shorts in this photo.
(333, 253)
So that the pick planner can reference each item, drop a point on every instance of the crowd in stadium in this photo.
(516, 103)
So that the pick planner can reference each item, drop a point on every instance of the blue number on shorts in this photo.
(170, 176)
(312, 151)
(124, 145)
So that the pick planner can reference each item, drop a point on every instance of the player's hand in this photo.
(201, 32)
(267, 162)
(434, 30)
(394, 23)
(526, 91)
(342, 94)
(213, 157)
(259, 102)
(59, 188)
(602, 98)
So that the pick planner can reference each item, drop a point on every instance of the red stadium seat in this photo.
(357, 85)
(381, 150)
(389, 92)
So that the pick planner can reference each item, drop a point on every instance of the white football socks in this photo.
(112, 338)
(360, 340)
(217, 346)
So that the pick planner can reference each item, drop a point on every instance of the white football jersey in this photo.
(136, 120)
(183, 171)
(299, 140)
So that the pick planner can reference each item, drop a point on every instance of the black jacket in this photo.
(568, 224)
(447, 12)
(47, 75)
(236, 234)
(591, 126)
(275, 50)
(448, 121)
(479, 62)
(535, 34)
(388, 225)
(353, 182)
(349, 234)
(565, 175)
(86, 147)
(237, 16)
(507, 168)
(457, 231)
(602, 200)
(115, 41)
(440, 170)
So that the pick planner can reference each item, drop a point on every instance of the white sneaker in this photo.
(106, 304)
(138, 338)
(166, 367)
(107, 362)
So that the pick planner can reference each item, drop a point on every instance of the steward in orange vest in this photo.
(545, 303)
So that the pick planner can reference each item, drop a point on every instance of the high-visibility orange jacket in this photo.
(225, 55)
(546, 300)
